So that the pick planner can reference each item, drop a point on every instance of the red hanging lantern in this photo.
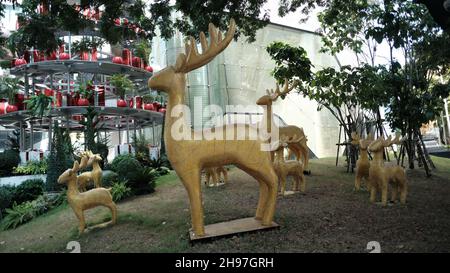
(94, 54)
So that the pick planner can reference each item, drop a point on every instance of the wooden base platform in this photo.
(230, 228)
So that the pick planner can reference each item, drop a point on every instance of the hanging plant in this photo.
(122, 84)
(142, 50)
(39, 105)
(148, 98)
(83, 45)
(9, 87)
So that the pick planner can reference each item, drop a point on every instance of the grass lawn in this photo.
(329, 217)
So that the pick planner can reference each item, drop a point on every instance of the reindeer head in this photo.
(363, 143)
(164, 80)
(92, 157)
(69, 174)
(284, 141)
(274, 95)
(381, 143)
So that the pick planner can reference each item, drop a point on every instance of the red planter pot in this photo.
(162, 110)
(149, 107)
(117, 60)
(131, 103)
(84, 56)
(149, 68)
(61, 49)
(121, 103)
(58, 99)
(3, 106)
(83, 102)
(64, 56)
(19, 62)
(156, 105)
(51, 56)
(137, 62)
(138, 102)
(126, 56)
(19, 98)
(94, 54)
(11, 108)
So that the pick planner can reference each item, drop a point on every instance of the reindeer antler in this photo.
(192, 59)
(286, 89)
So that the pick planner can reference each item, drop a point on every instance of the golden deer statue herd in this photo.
(192, 154)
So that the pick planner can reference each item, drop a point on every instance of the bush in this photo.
(140, 179)
(120, 190)
(9, 159)
(22, 213)
(108, 178)
(29, 190)
(32, 167)
(143, 181)
(6, 197)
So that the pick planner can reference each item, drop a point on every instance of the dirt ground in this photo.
(329, 217)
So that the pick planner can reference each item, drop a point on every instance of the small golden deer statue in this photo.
(363, 164)
(300, 149)
(381, 176)
(95, 176)
(215, 173)
(191, 153)
(285, 168)
(79, 202)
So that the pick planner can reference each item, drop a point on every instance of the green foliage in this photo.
(9, 159)
(142, 49)
(6, 198)
(109, 177)
(291, 62)
(120, 190)
(28, 190)
(39, 105)
(140, 179)
(25, 212)
(9, 87)
(61, 157)
(122, 84)
(32, 167)
(92, 138)
(86, 44)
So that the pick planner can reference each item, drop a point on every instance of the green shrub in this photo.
(32, 167)
(29, 190)
(120, 190)
(140, 179)
(108, 178)
(143, 181)
(9, 159)
(6, 197)
(22, 213)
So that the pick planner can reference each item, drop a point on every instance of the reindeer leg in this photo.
(357, 182)
(80, 215)
(403, 190)
(384, 193)
(394, 192)
(373, 194)
(113, 209)
(270, 179)
(191, 181)
(225, 176)
(302, 183)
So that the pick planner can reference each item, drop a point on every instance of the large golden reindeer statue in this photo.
(300, 149)
(363, 164)
(95, 175)
(285, 168)
(79, 202)
(381, 176)
(189, 155)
